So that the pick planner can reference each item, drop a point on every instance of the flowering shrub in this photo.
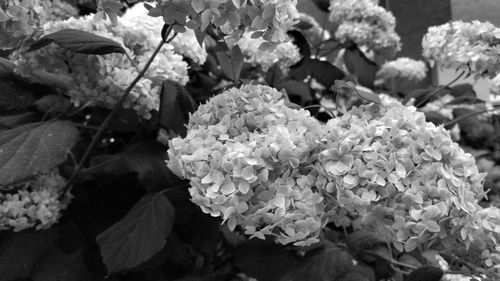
(33, 204)
(366, 24)
(465, 45)
(405, 68)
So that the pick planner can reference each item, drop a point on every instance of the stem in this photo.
(133, 62)
(471, 114)
(112, 114)
(428, 96)
(391, 260)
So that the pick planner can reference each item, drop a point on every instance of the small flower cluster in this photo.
(495, 85)
(101, 80)
(366, 24)
(473, 46)
(135, 24)
(61, 10)
(405, 68)
(275, 17)
(33, 204)
(316, 33)
(285, 54)
(246, 155)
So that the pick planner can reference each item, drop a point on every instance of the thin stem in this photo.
(428, 96)
(391, 260)
(132, 61)
(471, 114)
(112, 114)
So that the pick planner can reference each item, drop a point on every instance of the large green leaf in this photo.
(139, 235)
(231, 63)
(361, 66)
(34, 148)
(14, 95)
(175, 105)
(323, 71)
(79, 41)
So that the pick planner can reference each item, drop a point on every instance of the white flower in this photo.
(403, 67)
(495, 85)
(316, 33)
(472, 46)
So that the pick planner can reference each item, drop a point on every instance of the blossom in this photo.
(33, 204)
(246, 156)
(102, 79)
(403, 67)
(60, 10)
(495, 85)
(316, 33)
(400, 175)
(468, 45)
(274, 17)
(285, 54)
(366, 24)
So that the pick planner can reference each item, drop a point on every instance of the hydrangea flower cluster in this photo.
(401, 175)
(366, 24)
(473, 46)
(246, 155)
(495, 85)
(316, 34)
(405, 68)
(137, 22)
(33, 204)
(275, 17)
(101, 80)
(60, 10)
(285, 54)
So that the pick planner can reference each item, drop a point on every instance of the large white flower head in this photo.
(366, 24)
(316, 33)
(246, 156)
(145, 29)
(60, 10)
(472, 46)
(33, 204)
(285, 54)
(405, 68)
(399, 174)
(101, 80)
(275, 17)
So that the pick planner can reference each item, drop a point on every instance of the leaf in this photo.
(6, 68)
(326, 264)
(14, 96)
(53, 103)
(298, 92)
(435, 117)
(427, 273)
(463, 90)
(323, 5)
(360, 241)
(231, 64)
(301, 42)
(34, 148)
(274, 75)
(79, 41)
(362, 67)
(349, 88)
(11, 121)
(175, 105)
(324, 72)
(139, 235)
(264, 260)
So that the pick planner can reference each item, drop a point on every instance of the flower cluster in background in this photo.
(405, 68)
(471, 46)
(275, 17)
(101, 80)
(246, 154)
(366, 24)
(495, 85)
(284, 54)
(60, 10)
(33, 204)
(316, 34)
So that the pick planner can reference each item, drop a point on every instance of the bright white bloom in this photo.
(405, 68)
(101, 80)
(61, 10)
(316, 33)
(285, 54)
(136, 22)
(33, 204)
(473, 46)
(275, 17)
(495, 85)
(366, 24)
(246, 155)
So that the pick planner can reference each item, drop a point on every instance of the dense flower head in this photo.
(366, 24)
(316, 33)
(405, 68)
(285, 54)
(399, 174)
(60, 10)
(101, 80)
(246, 156)
(275, 17)
(137, 23)
(473, 46)
(33, 204)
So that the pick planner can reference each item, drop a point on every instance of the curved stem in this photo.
(428, 96)
(471, 114)
(112, 114)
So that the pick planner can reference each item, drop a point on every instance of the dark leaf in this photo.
(427, 273)
(461, 90)
(164, 30)
(59, 266)
(324, 72)
(362, 67)
(201, 223)
(53, 103)
(303, 25)
(6, 68)
(465, 100)
(14, 96)
(354, 276)
(301, 42)
(34, 148)
(274, 75)
(139, 235)
(79, 41)
(11, 121)
(175, 105)
(360, 241)
(265, 260)
(323, 5)
(435, 117)
(325, 264)
(231, 64)
(200, 36)
(298, 92)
